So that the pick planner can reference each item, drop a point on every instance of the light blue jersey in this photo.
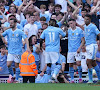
(17, 2)
(14, 40)
(36, 55)
(38, 24)
(59, 24)
(3, 64)
(52, 39)
(46, 16)
(74, 39)
(62, 59)
(91, 32)
(23, 22)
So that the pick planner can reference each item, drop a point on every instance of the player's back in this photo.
(52, 39)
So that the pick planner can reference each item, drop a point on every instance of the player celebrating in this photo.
(14, 37)
(52, 42)
(91, 32)
(75, 42)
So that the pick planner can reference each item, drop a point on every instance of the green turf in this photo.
(48, 86)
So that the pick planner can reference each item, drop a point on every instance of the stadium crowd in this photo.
(45, 38)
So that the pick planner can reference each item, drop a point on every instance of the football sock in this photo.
(10, 69)
(17, 73)
(90, 74)
(97, 69)
(80, 71)
(71, 72)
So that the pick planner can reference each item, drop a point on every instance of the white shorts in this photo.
(71, 56)
(13, 57)
(91, 51)
(51, 57)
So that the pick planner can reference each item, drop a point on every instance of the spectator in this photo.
(3, 60)
(51, 10)
(58, 8)
(39, 34)
(63, 3)
(31, 28)
(42, 13)
(26, 20)
(12, 10)
(36, 49)
(44, 26)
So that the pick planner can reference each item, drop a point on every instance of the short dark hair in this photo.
(14, 19)
(60, 13)
(30, 40)
(71, 19)
(52, 22)
(58, 5)
(32, 14)
(12, 15)
(45, 24)
(43, 19)
(83, 9)
(86, 4)
(88, 15)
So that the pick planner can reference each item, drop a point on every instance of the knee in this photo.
(16, 65)
(8, 65)
(78, 63)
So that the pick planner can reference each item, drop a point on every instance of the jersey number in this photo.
(52, 36)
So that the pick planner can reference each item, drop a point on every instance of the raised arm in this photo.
(37, 9)
(71, 4)
(5, 19)
(64, 17)
(27, 44)
(94, 9)
(74, 14)
(37, 48)
(20, 7)
(30, 2)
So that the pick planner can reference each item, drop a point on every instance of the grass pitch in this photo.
(48, 86)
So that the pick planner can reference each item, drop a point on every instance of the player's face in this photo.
(87, 20)
(72, 24)
(12, 23)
